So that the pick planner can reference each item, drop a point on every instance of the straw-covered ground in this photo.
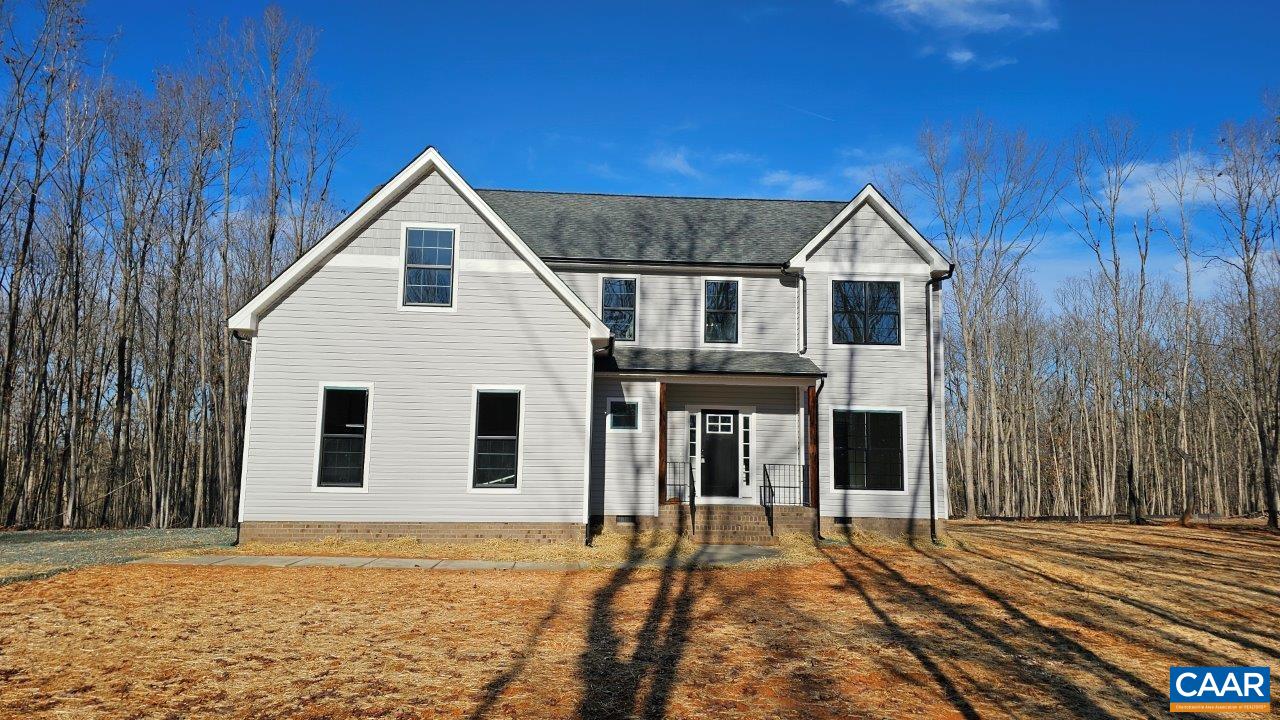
(606, 549)
(1009, 620)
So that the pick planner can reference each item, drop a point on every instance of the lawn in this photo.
(1025, 620)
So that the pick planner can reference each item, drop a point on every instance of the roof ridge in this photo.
(659, 197)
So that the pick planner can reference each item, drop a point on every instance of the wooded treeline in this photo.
(133, 221)
(1149, 384)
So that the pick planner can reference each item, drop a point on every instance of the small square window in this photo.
(720, 424)
(624, 415)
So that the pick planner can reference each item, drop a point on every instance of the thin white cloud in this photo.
(673, 161)
(737, 157)
(810, 113)
(1149, 182)
(793, 184)
(956, 20)
(963, 57)
(604, 171)
(967, 16)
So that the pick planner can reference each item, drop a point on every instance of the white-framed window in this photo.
(746, 449)
(623, 415)
(721, 311)
(719, 424)
(866, 311)
(619, 306)
(343, 413)
(428, 266)
(497, 422)
(868, 450)
(693, 437)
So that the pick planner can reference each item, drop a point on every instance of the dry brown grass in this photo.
(1013, 620)
(607, 549)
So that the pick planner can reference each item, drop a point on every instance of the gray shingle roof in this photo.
(733, 362)
(585, 226)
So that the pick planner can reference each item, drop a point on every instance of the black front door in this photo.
(720, 453)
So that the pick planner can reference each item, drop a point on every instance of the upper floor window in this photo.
(720, 311)
(618, 306)
(428, 266)
(343, 422)
(868, 449)
(865, 313)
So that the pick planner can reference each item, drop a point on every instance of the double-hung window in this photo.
(618, 306)
(344, 423)
(428, 266)
(865, 313)
(720, 311)
(868, 449)
(496, 453)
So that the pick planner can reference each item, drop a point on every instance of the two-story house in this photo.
(455, 363)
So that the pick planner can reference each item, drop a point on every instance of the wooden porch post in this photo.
(811, 454)
(662, 443)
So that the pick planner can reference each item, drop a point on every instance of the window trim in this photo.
(368, 434)
(471, 440)
(702, 312)
(859, 277)
(402, 270)
(831, 449)
(608, 413)
(600, 300)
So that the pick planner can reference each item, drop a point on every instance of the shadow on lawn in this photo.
(616, 686)
(1031, 659)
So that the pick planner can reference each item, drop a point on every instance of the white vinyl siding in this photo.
(670, 309)
(624, 464)
(509, 329)
(872, 377)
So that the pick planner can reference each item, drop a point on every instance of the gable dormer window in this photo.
(865, 312)
(618, 306)
(720, 311)
(429, 257)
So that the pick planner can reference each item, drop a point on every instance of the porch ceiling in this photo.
(706, 362)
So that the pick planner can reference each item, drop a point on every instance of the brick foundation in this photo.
(748, 523)
(915, 528)
(278, 531)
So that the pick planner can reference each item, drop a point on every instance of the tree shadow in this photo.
(1010, 644)
(498, 685)
(617, 685)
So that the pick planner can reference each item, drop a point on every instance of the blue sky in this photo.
(760, 99)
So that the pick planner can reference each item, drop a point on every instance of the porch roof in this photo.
(703, 361)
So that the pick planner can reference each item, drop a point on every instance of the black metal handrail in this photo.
(679, 481)
(784, 485)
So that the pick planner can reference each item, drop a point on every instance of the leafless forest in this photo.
(134, 220)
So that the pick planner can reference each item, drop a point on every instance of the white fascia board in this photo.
(870, 196)
(246, 318)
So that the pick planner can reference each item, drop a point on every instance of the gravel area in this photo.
(40, 553)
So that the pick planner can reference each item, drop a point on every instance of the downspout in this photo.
(929, 286)
(802, 308)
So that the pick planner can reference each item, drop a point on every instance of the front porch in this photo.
(733, 453)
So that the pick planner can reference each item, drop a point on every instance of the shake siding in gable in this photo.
(670, 308)
(871, 376)
(343, 324)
